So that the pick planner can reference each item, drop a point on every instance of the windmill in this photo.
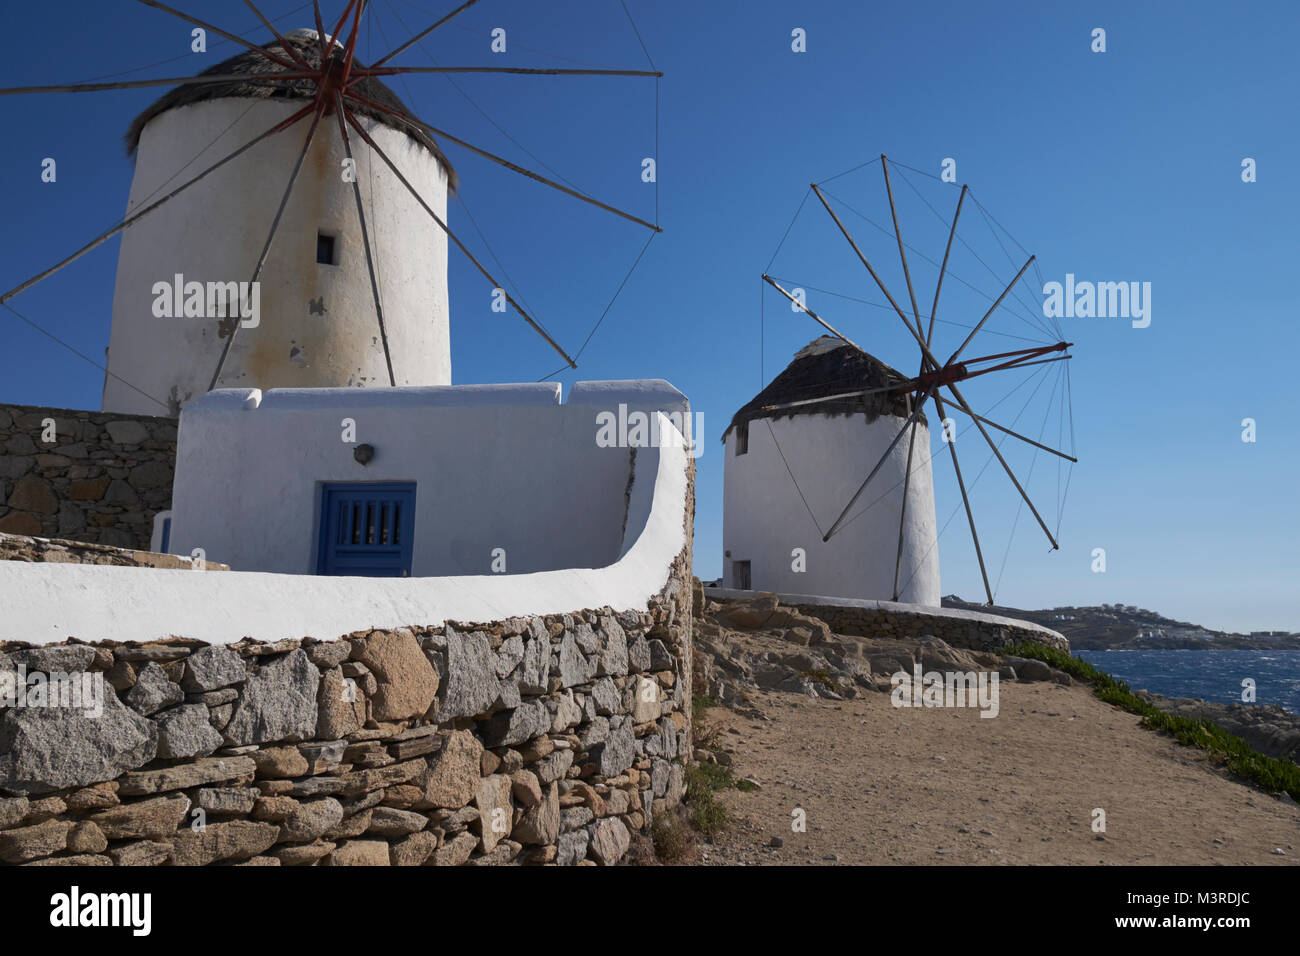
(937, 381)
(321, 71)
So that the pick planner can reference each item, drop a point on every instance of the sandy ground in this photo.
(944, 786)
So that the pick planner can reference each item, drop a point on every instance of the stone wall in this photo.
(17, 547)
(971, 631)
(550, 739)
(966, 629)
(101, 479)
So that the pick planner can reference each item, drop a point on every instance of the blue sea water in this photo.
(1211, 675)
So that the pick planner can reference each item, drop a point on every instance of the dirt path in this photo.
(944, 786)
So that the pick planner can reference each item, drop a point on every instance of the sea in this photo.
(1210, 675)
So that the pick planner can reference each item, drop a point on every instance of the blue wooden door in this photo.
(366, 529)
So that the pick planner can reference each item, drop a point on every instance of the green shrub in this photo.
(671, 837)
(700, 703)
(703, 781)
(1234, 753)
(823, 677)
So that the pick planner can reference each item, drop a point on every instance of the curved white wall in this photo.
(495, 467)
(48, 603)
(215, 230)
(764, 518)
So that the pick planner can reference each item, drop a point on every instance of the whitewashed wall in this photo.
(215, 230)
(495, 466)
(48, 603)
(764, 518)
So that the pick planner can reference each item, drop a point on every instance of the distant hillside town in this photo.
(1128, 627)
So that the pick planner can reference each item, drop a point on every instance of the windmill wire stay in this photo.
(491, 252)
(1032, 313)
(1034, 322)
(881, 305)
(374, 21)
(336, 80)
(1038, 376)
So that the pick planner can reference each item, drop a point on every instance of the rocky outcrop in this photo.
(760, 644)
(1270, 729)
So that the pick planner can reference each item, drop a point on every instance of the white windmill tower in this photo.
(857, 412)
(316, 323)
(799, 449)
(299, 137)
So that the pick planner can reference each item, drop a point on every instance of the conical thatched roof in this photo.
(829, 366)
(304, 42)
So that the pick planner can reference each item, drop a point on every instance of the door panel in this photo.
(366, 529)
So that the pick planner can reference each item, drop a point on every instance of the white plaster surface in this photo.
(215, 231)
(894, 607)
(496, 466)
(764, 518)
(48, 603)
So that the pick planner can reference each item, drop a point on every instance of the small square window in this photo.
(325, 249)
(742, 439)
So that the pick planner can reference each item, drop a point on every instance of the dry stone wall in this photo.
(92, 476)
(970, 631)
(16, 547)
(550, 739)
(881, 619)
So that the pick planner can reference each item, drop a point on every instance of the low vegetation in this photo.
(1233, 752)
(701, 703)
(824, 677)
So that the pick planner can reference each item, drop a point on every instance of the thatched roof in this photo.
(306, 45)
(828, 366)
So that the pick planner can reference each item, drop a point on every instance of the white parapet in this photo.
(47, 603)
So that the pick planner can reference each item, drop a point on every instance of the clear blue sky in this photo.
(1116, 166)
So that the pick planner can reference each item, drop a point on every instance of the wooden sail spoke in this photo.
(320, 31)
(339, 114)
(133, 219)
(898, 233)
(201, 80)
(285, 45)
(1005, 467)
(519, 70)
(965, 500)
(943, 269)
(839, 522)
(902, 511)
(925, 348)
(266, 249)
(1008, 431)
(424, 33)
(993, 308)
(234, 38)
(804, 308)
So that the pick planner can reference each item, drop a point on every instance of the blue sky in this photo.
(1115, 166)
